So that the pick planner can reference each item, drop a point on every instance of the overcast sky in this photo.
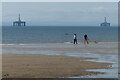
(60, 13)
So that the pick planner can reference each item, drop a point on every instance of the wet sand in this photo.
(63, 44)
(57, 60)
(47, 66)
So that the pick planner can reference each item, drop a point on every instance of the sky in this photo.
(59, 0)
(60, 13)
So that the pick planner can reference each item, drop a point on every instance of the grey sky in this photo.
(61, 13)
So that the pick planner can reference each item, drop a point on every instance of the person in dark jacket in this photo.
(86, 39)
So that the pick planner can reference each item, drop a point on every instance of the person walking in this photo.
(75, 39)
(86, 39)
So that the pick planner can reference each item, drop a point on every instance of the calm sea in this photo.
(36, 35)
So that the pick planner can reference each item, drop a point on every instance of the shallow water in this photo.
(109, 73)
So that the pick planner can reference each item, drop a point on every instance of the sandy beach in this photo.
(57, 60)
(46, 66)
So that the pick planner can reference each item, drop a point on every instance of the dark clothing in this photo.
(75, 41)
(85, 37)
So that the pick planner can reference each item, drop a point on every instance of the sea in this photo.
(57, 34)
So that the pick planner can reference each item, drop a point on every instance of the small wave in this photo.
(56, 43)
(10, 44)
(7, 44)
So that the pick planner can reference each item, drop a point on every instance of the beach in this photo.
(44, 66)
(61, 60)
(59, 39)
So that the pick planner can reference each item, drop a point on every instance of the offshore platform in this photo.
(105, 23)
(19, 22)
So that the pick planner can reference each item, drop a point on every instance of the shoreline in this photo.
(74, 60)
(47, 66)
(47, 44)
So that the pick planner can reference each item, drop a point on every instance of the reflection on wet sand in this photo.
(101, 54)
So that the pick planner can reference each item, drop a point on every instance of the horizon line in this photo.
(55, 26)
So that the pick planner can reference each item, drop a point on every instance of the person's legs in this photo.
(74, 41)
(87, 42)
(84, 41)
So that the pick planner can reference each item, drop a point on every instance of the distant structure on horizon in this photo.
(105, 23)
(19, 22)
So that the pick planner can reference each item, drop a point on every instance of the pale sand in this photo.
(0, 66)
(46, 66)
(62, 44)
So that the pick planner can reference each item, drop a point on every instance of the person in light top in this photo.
(75, 39)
